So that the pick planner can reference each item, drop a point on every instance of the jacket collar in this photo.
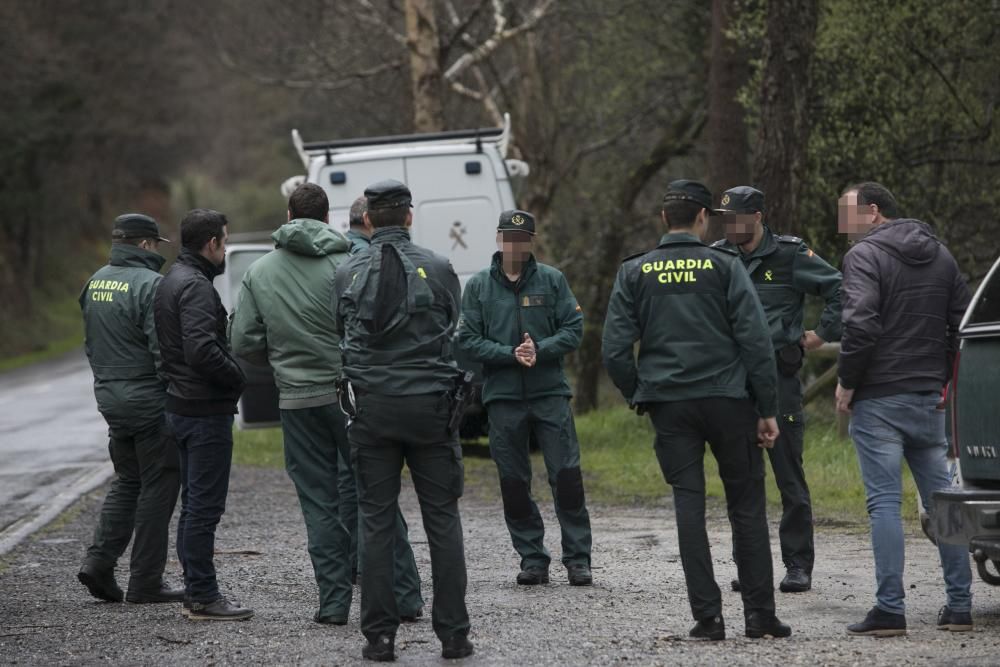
(676, 238)
(391, 235)
(497, 272)
(197, 261)
(123, 254)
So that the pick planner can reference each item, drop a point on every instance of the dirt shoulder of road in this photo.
(636, 613)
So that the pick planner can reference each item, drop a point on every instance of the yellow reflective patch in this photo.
(421, 272)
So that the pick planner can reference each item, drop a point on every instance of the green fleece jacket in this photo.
(283, 313)
(496, 314)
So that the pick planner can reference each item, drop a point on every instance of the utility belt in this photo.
(458, 399)
(789, 359)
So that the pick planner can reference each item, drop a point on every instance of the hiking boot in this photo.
(796, 581)
(218, 610)
(954, 621)
(163, 593)
(879, 623)
(712, 628)
(455, 647)
(380, 650)
(533, 576)
(330, 620)
(765, 625)
(101, 583)
(579, 574)
(412, 618)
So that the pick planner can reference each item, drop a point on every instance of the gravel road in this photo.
(636, 613)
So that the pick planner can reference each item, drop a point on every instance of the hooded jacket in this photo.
(120, 336)
(204, 378)
(903, 299)
(283, 315)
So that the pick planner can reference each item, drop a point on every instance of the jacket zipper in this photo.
(519, 337)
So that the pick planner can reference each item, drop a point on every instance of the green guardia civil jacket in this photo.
(120, 336)
(359, 242)
(698, 322)
(784, 270)
(283, 313)
(397, 308)
(496, 314)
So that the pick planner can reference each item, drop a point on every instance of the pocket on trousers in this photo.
(168, 444)
(457, 471)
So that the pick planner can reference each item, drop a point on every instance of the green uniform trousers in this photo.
(315, 442)
(550, 420)
(141, 499)
(796, 528)
(388, 431)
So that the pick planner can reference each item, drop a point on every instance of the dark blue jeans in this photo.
(205, 445)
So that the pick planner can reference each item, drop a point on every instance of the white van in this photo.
(460, 181)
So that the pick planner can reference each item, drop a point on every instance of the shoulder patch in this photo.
(785, 238)
(725, 249)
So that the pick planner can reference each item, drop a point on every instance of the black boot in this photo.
(796, 581)
(533, 576)
(162, 593)
(713, 628)
(380, 650)
(455, 647)
(219, 610)
(100, 582)
(763, 624)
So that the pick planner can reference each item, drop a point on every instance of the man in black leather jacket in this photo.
(204, 384)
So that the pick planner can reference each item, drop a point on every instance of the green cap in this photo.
(136, 226)
(517, 221)
(387, 194)
(742, 199)
(693, 191)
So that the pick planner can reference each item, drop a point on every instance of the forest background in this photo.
(164, 105)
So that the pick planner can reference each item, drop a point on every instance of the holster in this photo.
(460, 397)
(789, 359)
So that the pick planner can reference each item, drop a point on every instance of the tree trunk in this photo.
(676, 142)
(728, 145)
(425, 66)
(783, 136)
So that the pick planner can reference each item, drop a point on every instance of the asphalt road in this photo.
(53, 442)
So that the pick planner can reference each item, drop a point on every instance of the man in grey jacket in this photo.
(903, 298)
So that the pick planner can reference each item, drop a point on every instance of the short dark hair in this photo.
(356, 218)
(388, 217)
(681, 213)
(201, 225)
(871, 192)
(309, 201)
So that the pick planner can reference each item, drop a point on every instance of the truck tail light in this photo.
(951, 394)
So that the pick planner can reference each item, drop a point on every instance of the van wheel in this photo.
(986, 575)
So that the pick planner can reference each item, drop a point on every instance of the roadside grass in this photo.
(620, 467)
(60, 331)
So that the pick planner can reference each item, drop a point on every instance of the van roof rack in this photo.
(498, 135)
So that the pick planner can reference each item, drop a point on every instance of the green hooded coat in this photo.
(283, 316)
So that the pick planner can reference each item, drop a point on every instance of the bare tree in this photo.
(783, 137)
(726, 130)
(425, 65)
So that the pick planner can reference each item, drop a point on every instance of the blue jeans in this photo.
(205, 445)
(885, 430)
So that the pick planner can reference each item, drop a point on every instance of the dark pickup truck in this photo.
(970, 512)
